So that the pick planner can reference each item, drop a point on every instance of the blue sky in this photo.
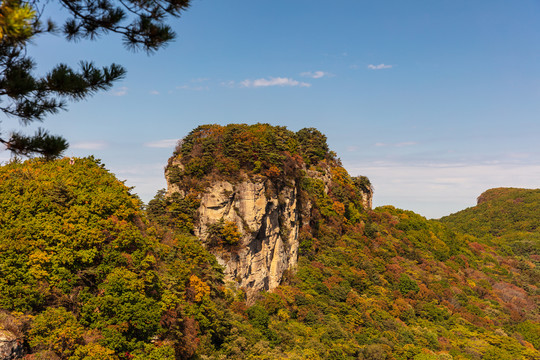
(434, 101)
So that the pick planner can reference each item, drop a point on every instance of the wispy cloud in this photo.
(192, 87)
(163, 144)
(380, 66)
(229, 84)
(399, 144)
(406, 143)
(4, 155)
(278, 81)
(89, 145)
(315, 74)
(121, 91)
(146, 178)
(198, 84)
(154, 92)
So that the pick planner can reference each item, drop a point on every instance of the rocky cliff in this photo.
(249, 212)
(267, 220)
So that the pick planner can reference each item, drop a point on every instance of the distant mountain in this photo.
(506, 217)
(500, 211)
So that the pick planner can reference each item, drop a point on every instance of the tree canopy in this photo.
(30, 97)
(86, 273)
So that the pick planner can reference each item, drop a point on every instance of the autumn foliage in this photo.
(86, 273)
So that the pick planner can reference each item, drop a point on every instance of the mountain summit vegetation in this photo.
(87, 273)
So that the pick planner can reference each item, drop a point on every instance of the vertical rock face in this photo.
(268, 215)
(10, 346)
(367, 197)
(267, 218)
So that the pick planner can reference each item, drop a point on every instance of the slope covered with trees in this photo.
(397, 286)
(499, 212)
(232, 150)
(506, 218)
(382, 284)
(84, 276)
(85, 273)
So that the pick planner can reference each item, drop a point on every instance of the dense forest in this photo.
(87, 272)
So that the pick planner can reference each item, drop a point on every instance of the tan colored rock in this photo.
(267, 219)
(268, 215)
(172, 187)
(10, 346)
(367, 199)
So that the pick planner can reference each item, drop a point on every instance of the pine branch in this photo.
(146, 28)
(49, 146)
(30, 98)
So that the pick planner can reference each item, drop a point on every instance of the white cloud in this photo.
(146, 178)
(120, 91)
(279, 81)
(229, 84)
(399, 144)
(163, 144)
(314, 74)
(379, 67)
(154, 92)
(191, 87)
(198, 84)
(438, 189)
(88, 145)
(4, 155)
(406, 143)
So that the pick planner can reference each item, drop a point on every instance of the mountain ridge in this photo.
(87, 274)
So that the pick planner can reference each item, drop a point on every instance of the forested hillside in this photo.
(84, 276)
(500, 212)
(509, 220)
(87, 273)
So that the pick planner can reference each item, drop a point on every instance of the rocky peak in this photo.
(252, 188)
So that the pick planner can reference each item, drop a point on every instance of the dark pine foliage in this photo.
(30, 97)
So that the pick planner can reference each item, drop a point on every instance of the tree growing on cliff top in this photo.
(30, 97)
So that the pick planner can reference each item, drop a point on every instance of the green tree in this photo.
(55, 329)
(313, 144)
(31, 97)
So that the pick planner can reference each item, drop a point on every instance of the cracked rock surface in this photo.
(267, 218)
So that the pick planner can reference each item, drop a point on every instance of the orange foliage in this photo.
(339, 208)
(201, 288)
(273, 171)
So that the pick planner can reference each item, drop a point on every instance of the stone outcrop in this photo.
(267, 214)
(246, 191)
(172, 187)
(267, 217)
(367, 197)
(10, 346)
